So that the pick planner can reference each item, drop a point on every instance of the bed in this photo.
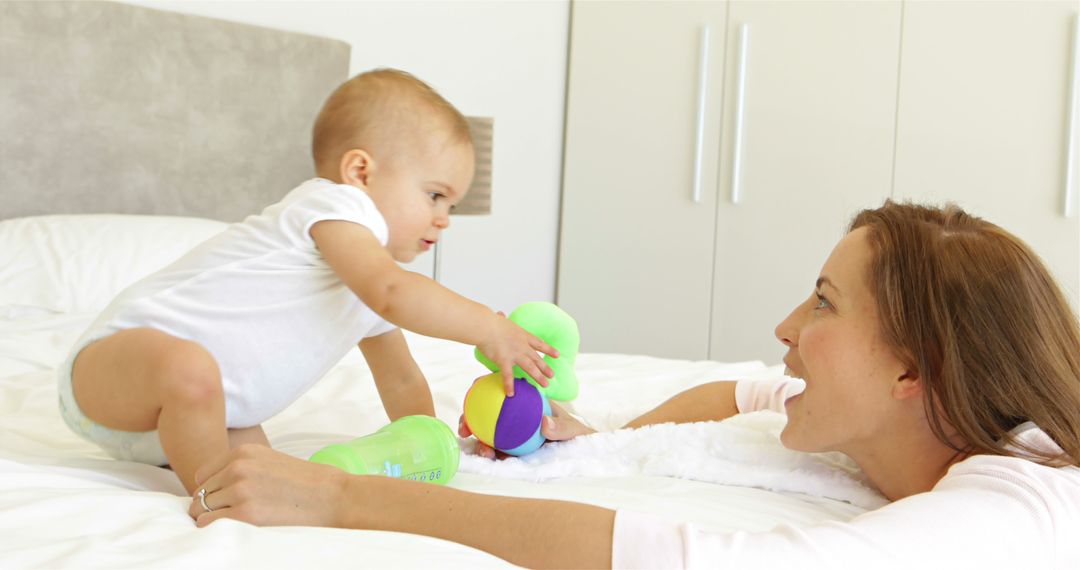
(68, 246)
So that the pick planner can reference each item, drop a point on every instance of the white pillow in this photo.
(78, 263)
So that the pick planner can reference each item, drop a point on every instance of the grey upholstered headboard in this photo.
(108, 107)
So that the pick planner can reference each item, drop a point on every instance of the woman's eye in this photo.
(822, 302)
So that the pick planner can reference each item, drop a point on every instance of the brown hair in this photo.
(975, 312)
(382, 111)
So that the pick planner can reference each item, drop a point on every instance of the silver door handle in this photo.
(1069, 203)
(740, 112)
(703, 82)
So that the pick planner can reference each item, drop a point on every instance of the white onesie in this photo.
(986, 512)
(261, 299)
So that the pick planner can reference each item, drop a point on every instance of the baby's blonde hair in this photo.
(382, 112)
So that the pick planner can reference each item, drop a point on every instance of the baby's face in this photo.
(415, 194)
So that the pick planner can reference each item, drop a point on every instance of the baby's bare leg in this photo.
(142, 379)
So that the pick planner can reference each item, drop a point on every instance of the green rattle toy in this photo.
(557, 328)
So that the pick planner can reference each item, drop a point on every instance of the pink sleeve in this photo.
(755, 395)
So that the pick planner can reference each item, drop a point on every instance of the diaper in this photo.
(138, 446)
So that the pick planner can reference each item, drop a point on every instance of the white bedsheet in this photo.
(65, 504)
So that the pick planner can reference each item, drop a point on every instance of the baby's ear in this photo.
(356, 166)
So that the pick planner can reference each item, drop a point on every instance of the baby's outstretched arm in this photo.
(503, 347)
(419, 304)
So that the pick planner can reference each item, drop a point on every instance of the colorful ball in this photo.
(511, 425)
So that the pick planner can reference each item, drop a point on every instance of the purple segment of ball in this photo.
(534, 442)
(520, 416)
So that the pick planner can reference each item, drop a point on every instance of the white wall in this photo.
(503, 59)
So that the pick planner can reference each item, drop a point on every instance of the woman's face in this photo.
(835, 344)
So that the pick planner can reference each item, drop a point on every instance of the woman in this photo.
(936, 352)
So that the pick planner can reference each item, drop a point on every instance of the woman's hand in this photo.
(559, 426)
(258, 485)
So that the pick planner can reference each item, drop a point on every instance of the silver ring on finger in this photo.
(202, 500)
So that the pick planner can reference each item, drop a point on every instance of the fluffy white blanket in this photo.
(744, 450)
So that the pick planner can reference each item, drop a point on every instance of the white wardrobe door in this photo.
(818, 129)
(983, 117)
(636, 249)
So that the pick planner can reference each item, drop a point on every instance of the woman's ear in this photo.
(356, 167)
(908, 385)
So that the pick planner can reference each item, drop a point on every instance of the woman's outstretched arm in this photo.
(707, 402)
(535, 533)
(261, 486)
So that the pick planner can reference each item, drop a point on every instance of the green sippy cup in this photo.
(420, 448)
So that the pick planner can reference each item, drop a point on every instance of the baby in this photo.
(190, 361)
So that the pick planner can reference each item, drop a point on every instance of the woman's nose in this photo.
(787, 331)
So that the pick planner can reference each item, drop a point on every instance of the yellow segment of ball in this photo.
(483, 403)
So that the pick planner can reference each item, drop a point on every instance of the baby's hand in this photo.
(482, 449)
(508, 345)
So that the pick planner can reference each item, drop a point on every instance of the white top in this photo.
(986, 512)
(260, 297)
